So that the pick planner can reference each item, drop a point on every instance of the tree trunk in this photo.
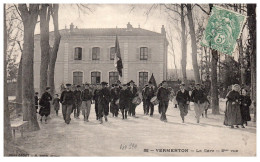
(214, 79)
(184, 46)
(29, 19)
(19, 89)
(214, 83)
(251, 13)
(54, 50)
(193, 44)
(7, 126)
(45, 46)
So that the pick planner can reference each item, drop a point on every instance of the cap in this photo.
(115, 84)
(47, 88)
(36, 93)
(163, 81)
(68, 85)
(78, 86)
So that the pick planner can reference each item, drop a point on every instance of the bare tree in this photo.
(29, 15)
(193, 43)
(251, 13)
(7, 126)
(55, 48)
(183, 45)
(45, 46)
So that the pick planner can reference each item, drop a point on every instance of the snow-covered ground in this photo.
(142, 136)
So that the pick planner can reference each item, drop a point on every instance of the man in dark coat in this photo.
(36, 100)
(124, 99)
(114, 97)
(103, 102)
(183, 100)
(163, 97)
(45, 104)
(77, 94)
(148, 94)
(67, 100)
(95, 98)
(144, 101)
(244, 107)
(86, 97)
(133, 93)
(200, 100)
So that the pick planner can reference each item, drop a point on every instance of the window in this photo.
(77, 78)
(143, 53)
(112, 53)
(143, 78)
(95, 77)
(113, 77)
(78, 53)
(95, 53)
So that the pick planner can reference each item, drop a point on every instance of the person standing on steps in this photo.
(86, 97)
(183, 100)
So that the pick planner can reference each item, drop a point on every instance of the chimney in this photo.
(129, 26)
(71, 27)
(163, 30)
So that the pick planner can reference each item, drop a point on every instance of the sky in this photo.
(112, 16)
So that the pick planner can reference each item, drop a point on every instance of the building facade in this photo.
(87, 55)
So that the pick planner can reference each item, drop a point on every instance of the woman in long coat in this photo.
(45, 104)
(244, 107)
(232, 112)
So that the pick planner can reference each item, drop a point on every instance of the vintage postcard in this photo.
(157, 79)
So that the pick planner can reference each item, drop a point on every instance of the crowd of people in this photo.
(124, 98)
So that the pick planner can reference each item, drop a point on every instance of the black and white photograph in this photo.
(129, 79)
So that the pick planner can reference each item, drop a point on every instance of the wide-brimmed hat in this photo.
(104, 83)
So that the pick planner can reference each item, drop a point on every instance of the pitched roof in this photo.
(108, 32)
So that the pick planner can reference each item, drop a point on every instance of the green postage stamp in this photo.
(223, 30)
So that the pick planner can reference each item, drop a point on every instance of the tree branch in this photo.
(208, 13)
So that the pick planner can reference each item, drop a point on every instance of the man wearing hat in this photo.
(95, 98)
(163, 97)
(200, 101)
(67, 100)
(183, 100)
(124, 99)
(148, 95)
(103, 102)
(77, 94)
(144, 101)
(133, 93)
(114, 97)
(45, 104)
(86, 97)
